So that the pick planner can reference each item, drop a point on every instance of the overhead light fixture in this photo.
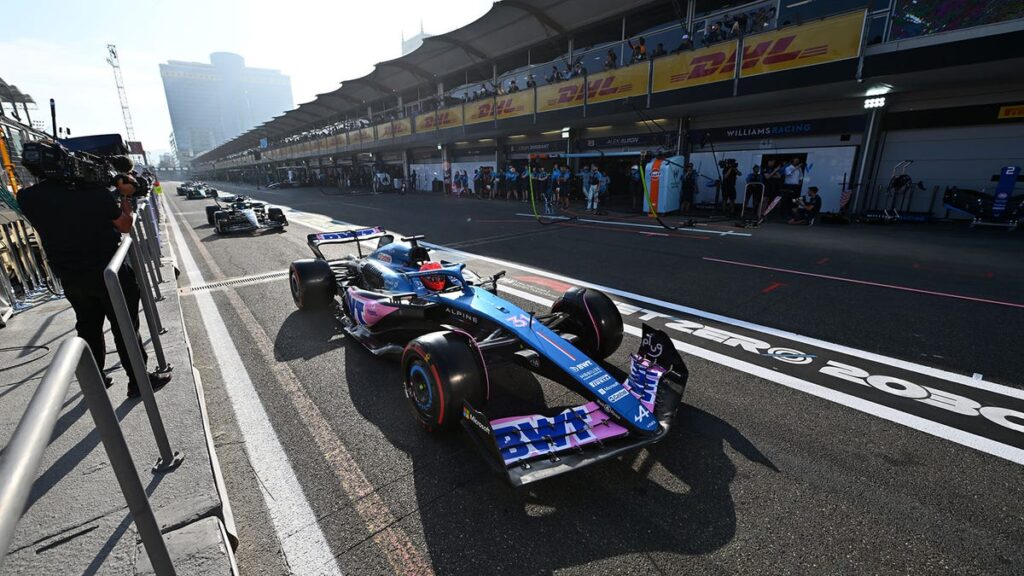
(874, 102)
(439, 146)
(565, 132)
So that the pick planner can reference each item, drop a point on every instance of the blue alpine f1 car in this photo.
(448, 327)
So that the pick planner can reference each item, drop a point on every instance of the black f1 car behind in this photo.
(449, 327)
(242, 214)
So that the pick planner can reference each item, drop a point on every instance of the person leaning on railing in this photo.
(80, 225)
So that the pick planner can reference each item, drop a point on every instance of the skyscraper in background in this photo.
(212, 103)
(414, 42)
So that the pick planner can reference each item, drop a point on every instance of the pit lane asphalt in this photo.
(754, 479)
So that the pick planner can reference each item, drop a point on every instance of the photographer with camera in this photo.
(730, 172)
(80, 221)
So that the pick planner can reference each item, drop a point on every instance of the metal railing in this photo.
(20, 460)
(130, 248)
(24, 253)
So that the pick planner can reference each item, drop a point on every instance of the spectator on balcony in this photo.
(531, 82)
(512, 86)
(685, 43)
(579, 70)
(554, 76)
(639, 50)
(659, 50)
(610, 61)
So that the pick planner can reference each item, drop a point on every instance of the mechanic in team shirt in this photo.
(512, 182)
(554, 186)
(807, 208)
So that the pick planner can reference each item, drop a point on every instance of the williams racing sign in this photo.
(828, 40)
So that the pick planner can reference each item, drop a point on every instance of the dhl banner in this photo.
(558, 96)
(823, 41)
(1011, 112)
(426, 122)
(340, 140)
(449, 117)
(696, 67)
(616, 84)
(512, 105)
(401, 127)
(366, 134)
(385, 131)
(478, 112)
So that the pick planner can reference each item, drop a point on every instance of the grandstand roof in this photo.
(510, 26)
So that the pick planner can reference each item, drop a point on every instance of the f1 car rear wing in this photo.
(525, 449)
(315, 241)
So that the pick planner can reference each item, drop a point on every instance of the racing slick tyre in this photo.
(211, 211)
(219, 220)
(277, 215)
(441, 371)
(594, 318)
(312, 283)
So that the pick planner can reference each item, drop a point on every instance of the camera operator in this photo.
(80, 225)
(730, 172)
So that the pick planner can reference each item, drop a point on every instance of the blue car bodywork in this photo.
(384, 304)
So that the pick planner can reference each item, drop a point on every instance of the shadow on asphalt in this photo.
(474, 523)
(306, 335)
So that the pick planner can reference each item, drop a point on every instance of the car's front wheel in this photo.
(211, 212)
(442, 370)
(594, 318)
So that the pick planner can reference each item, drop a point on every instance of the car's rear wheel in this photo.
(442, 370)
(219, 221)
(312, 284)
(594, 318)
(211, 211)
(277, 215)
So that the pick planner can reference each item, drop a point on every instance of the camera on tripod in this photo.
(727, 162)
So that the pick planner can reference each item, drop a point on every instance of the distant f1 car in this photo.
(449, 327)
(186, 187)
(242, 214)
(200, 191)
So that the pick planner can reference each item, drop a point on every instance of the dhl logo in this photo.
(440, 119)
(500, 107)
(767, 53)
(601, 87)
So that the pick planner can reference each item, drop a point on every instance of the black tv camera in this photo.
(53, 161)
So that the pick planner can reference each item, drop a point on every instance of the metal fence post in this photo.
(146, 288)
(95, 393)
(152, 316)
(168, 458)
(19, 462)
(19, 269)
(152, 242)
(139, 238)
(37, 270)
(152, 231)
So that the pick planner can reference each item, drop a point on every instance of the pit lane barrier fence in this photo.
(22, 254)
(22, 457)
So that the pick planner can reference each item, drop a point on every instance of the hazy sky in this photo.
(57, 48)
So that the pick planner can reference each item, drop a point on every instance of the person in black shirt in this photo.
(80, 226)
(729, 175)
(807, 208)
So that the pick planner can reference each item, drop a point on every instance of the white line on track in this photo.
(289, 510)
(637, 225)
(863, 354)
(865, 282)
(921, 424)
(917, 423)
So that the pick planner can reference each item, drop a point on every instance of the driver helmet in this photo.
(432, 282)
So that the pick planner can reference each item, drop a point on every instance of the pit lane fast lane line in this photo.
(396, 546)
(950, 433)
(320, 223)
(919, 423)
(289, 510)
